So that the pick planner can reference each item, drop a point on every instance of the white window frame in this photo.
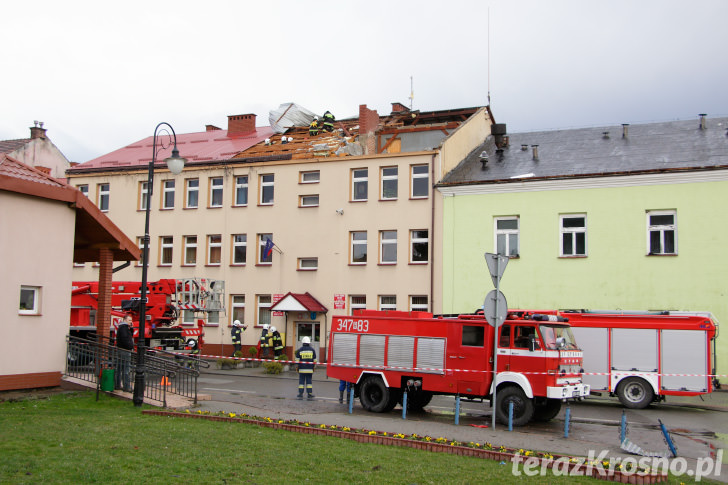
(309, 177)
(83, 188)
(310, 200)
(389, 304)
(307, 264)
(662, 229)
(265, 185)
(188, 317)
(359, 179)
(573, 233)
(263, 304)
(213, 319)
(239, 241)
(140, 245)
(357, 242)
(216, 186)
(241, 188)
(424, 175)
(166, 242)
(237, 312)
(143, 187)
(191, 189)
(104, 196)
(261, 248)
(214, 247)
(385, 242)
(357, 302)
(190, 243)
(418, 306)
(506, 233)
(35, 297)
(389, 177)
(414, 239)
(168, 194)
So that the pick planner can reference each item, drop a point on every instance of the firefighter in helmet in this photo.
(313, 128)
(277, 342)
(329, 121)
(237, 336)
(306, 360)
(264, 341)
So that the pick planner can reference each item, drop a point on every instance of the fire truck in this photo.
(167, 300)
(641, 357)
(385, 353)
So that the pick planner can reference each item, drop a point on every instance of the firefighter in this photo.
(329, 121)
(124, 342)
(277, 343)
(237, 335)
(313, 128)
(306, 360)
(264, 342)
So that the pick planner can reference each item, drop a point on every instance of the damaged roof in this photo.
(593, 152)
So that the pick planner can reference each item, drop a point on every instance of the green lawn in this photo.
(71, 438)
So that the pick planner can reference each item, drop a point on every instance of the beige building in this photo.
(350, 215)
(37, 151)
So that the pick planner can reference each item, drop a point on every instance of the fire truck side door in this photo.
(468, 357)
(504, 348)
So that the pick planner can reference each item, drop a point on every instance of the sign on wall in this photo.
(276, 299)
(339, 302)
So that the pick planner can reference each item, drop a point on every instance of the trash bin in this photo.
(107, 380)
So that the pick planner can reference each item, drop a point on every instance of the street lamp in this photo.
(175, 164)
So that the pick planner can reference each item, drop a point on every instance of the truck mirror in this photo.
(532, 344)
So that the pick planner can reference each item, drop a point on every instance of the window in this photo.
(213, 319)
(29, 300)
(265, 248)
(359, 184)
(522, 335)
(188, 317)
(216, 184)
(263, 303)
(357, 302)
(418, 303)
(168, 194)
(506, 236)
(387, 302)
(238, 308)
(166, 244)
(387, 247)
(473, 336)
(140, 244)
(142, 205)
(103, 200)
(573, 235)
(241, 190)
(419, 246)
(661, 232)
(505, 336)
(308, 200)
(190, 257)
(420, 181)
(214, 249)
(240, 249)
(389, 183)
(358, 247)
(83, 189)
(309, 177)
(307, 264)
(192, 187)
(266, 189)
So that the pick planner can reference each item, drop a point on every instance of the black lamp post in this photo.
(175, 164)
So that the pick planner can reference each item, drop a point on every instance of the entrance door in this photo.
(312, 331)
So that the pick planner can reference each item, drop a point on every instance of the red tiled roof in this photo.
(7, 146)
(195, 147)
(10, 167)
(306, 300)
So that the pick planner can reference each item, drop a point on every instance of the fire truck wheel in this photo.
(635, 393)
(522, 406)
(547, 410)
(374, 395)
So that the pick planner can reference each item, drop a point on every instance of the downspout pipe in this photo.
(432, 236)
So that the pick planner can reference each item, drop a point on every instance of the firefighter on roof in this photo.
(313, 128)
(277, 343)
(306, 359)
(329, 121)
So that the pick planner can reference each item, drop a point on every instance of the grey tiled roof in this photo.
(588, 152)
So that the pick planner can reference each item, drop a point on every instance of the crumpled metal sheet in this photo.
(288, 115)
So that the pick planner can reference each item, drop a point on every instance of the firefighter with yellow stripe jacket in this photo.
(306, 360)
(264, 343)
(277, 342)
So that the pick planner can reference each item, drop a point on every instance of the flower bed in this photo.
(562, 464)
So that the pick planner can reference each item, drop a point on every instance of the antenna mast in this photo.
(488, 56)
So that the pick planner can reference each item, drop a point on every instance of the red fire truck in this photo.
(167, 300)
(385, 353)
(641, 357)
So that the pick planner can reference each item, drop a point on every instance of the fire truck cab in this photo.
(388, 353)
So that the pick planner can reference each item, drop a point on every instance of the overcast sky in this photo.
(101, 75)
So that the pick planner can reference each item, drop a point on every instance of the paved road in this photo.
(698, 427)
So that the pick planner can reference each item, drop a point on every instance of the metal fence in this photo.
(164, 372)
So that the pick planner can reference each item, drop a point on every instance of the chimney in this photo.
(399, 107)
(37, 131)
(535, 152)
(702, 120)
(368, 124)
(211, 128)
(625, 130)
(241, 124)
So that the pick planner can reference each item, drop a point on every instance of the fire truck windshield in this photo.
(557, 337)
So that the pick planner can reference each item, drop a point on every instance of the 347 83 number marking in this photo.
(351, 325)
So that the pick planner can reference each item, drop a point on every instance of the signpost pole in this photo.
(495, 342)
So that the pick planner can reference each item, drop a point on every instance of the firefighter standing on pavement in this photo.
(264, 343)
(306, 359)
(237, 335)
(277, 343)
